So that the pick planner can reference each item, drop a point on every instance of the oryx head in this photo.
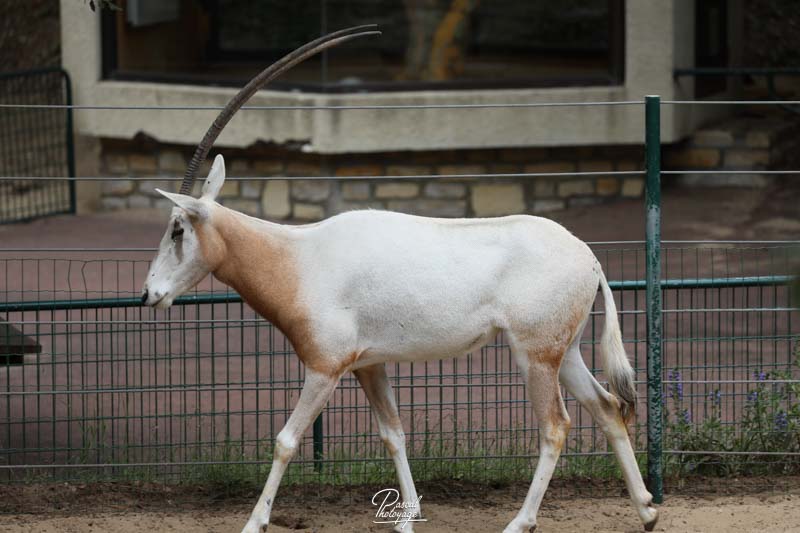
(187, 252)
(190, 247)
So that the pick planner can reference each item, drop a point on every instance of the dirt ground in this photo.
(123, 510)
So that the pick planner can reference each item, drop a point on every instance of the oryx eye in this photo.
(177, 232)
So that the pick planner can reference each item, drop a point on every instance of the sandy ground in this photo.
(769, 512)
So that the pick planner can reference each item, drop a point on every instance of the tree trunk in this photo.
(436, 42)
(449, 42)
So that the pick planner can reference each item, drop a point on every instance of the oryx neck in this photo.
(258, 262)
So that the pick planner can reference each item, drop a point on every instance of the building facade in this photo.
(116, 60)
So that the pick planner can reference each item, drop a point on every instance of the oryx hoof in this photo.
(651, 525)
(250, 527)
(519, 528)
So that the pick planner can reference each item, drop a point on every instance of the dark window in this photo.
(425, 43)
(711, 44)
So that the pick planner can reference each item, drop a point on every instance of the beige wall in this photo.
(658, 38)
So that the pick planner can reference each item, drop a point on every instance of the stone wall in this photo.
(748, 143)
(310, 199)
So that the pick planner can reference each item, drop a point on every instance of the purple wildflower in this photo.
(676, 388)
(752, 396)
(781, 421)
(715, 397)
(686, 416)
(760, 376)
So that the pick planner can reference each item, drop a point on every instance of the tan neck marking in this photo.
(258, 261)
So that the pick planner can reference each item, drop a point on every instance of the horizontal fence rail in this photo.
(361, 177)
(322, 107)
(631, 285)
(419, 176)
(512, 105)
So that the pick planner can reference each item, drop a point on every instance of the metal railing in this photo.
(120, 391)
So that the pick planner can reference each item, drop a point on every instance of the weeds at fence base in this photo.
(432, 462)
(765, 440)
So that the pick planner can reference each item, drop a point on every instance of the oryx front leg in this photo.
(317, 389)
(381, 398)
(544, 392)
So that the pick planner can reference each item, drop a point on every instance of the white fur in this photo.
(413, 288)
(179, 265)
(394, 287)
(215, 179)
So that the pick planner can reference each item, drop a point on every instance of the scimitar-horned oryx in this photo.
(365, 288)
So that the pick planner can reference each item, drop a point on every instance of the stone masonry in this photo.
(739, 143)
(467, 194)
(747, 143)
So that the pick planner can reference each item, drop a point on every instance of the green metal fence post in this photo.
(653, 293)
(317, 438)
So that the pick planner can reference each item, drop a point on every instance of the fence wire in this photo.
(393, 107)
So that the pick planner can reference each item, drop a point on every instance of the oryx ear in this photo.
(214, 180)
(194, 207)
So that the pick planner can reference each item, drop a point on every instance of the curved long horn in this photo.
(266, 76)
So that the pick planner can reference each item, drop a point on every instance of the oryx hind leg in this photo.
(539, 365)
(376, 386)
(604, 408)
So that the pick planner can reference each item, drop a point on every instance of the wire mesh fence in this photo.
(198, 392)
(35, 142)
(731, 387)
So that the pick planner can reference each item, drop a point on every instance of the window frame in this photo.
(614, 77)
